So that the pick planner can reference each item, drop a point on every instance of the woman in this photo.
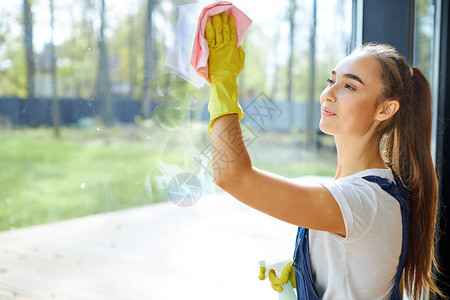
(378, 214)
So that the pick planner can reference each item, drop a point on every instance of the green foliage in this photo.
(12, 60)
(77, 57)
(77, 62)
(252, 79)
(128, 46)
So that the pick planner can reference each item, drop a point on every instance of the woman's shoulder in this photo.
(363, 189)
(363, 201)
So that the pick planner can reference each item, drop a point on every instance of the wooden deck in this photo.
(207, 251)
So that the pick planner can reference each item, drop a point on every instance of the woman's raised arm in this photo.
(309, 206)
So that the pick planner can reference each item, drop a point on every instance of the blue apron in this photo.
(302, 264)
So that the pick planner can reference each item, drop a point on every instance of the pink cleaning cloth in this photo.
(200, 50)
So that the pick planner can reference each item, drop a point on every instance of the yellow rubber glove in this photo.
(287, 274)
(225, 63)
(262, 273)
(275, 282)
(292, 277)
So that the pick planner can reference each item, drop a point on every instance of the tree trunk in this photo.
(88, 22)
(103, 83)
(149, 60)
(310, 116)
(276, 42)
(292, 9)
(55, 102)
(28, 38)
(131, 56)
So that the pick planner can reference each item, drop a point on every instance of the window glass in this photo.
(425, 36)
(100, 110)
(426, 50)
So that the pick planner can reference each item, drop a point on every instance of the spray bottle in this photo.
(282, 277)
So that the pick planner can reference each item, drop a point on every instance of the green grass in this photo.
(44, 180)
(90, 171)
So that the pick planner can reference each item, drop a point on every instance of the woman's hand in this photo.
(225, 60)
(225, 63)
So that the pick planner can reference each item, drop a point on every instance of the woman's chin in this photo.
(325, 128)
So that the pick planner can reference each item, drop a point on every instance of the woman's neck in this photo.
(357, 154)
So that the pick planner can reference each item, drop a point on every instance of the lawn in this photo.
(90, 171)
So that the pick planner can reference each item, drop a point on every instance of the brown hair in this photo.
(405, 147)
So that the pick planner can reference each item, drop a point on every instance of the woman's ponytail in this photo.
(417, 170)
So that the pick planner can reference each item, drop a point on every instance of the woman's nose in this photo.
(328, 95)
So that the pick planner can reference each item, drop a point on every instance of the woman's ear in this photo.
(387, 109)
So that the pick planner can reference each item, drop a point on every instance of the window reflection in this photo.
(132, 114)
(426, 51)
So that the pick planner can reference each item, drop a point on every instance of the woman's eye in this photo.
(348, 86)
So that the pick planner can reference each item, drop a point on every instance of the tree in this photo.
(128, 45)
(55, 102)
(276, 41)
(79, 54)
(13, 61)
(131, 56)
(103, 83)
(149, 58)
(310, 116)
(28, 39)
(292, 9)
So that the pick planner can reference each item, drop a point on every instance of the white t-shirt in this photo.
(364, 263)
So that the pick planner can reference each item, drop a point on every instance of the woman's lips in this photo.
(327, 112)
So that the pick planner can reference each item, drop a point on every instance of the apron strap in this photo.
(304, 280)
(399, 192)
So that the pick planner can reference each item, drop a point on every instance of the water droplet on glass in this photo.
(82, 185)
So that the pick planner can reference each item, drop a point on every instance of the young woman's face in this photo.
(349, 101)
